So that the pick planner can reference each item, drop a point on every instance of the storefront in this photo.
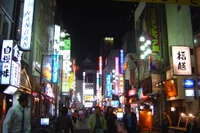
(10, 78)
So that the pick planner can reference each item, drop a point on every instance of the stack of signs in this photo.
(11, 66)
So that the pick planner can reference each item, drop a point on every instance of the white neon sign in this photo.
(27, 25)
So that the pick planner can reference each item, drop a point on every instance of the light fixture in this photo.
(182, 114)
(142, 56)
(149, 51)
(173, 109)
(113, 71)
(62, 34)
(190, 115)
(142, 47)
(148, 42)
(62, 43)
(142, 39)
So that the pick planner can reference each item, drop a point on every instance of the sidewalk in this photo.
(81, 124)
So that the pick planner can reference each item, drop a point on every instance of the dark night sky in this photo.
(89, 22)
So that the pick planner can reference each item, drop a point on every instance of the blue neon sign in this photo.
(121, 61)
(108, 86)
(55, 71)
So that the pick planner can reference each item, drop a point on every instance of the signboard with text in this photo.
(27, 21)
(181, 60)
(6, 58)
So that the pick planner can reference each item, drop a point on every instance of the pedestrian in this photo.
(64, 122)
(17, 119)
(129, 120)
(97, 122)
(166, 121)
(75, 116)
(111, 121)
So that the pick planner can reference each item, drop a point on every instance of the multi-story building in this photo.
(7, 17)
(30, 24)
(89, 83)
(162, 32)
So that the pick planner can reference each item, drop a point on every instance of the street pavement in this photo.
(82, 127)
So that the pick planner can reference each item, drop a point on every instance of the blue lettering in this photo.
(27, 13)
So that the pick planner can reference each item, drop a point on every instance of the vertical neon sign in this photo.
(117, 65)
(116, 75)
(83, 88)
(27, 21)
(121, 61)
(100, 65)
(97, 88)
(108, 86)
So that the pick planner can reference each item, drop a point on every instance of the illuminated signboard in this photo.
(15, 74)
(100, 65)
(27, 25)
(179, 2)
(55, 73)
(188, 83)
(117, 65)
(57, 33)
(189, 93)
(181, 60)
(121, 61)
(121, 83)
(97, 81)
(108, 86)
(6, 58)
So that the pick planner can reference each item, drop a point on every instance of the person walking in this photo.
(129, 120)
(75, 116)
(97, 122)
(166, 121)
(64, 122)
(17, 120)
(111, 121)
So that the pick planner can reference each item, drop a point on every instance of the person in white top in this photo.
(17, 120)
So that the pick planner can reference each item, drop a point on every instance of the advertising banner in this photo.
(147, 26)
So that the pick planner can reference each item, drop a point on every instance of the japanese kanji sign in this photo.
(6, 58)
(181, 60)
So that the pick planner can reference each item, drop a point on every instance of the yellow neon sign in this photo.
(180, 2)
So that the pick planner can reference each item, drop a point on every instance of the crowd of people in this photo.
(98, 121)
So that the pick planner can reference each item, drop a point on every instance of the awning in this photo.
(25, 84)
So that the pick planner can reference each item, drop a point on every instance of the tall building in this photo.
(89, 83)
(106, 46)
(28, 29)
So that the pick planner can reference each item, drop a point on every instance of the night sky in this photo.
(89, 22)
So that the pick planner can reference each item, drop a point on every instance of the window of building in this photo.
(5, 25)
(38, 54)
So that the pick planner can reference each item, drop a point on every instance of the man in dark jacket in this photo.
(129, 120)
(64, 122)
